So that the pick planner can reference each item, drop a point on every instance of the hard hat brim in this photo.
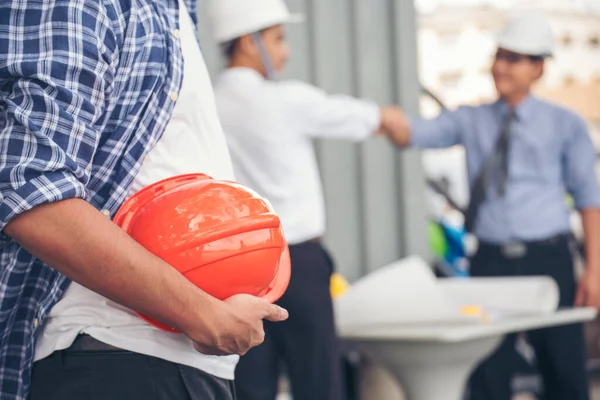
(522, 51)
(232, 35)
(281, 281)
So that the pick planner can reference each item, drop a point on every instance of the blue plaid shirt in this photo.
(86, 89)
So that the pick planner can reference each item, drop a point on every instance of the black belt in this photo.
(518, 249)
(88, 343)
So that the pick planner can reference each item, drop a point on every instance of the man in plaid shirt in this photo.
(89, 89)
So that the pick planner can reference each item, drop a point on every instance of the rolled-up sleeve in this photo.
(445, 130)
(56, 74)
(580, 166)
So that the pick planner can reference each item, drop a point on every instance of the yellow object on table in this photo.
(338, 285)
(471, 311)
(475, 311)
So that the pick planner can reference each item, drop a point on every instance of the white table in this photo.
(434, 362)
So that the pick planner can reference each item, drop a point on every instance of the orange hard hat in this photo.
(220, 235)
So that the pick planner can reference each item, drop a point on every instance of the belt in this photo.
(88, 343)
(518, 249)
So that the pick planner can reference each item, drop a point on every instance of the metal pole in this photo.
(411, 176)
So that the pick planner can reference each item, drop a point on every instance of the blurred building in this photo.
(456, 46)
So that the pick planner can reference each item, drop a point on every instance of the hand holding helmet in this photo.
(239, 328)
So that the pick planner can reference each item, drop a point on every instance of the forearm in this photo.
(84, 245)
(591, 228)
(441, 132)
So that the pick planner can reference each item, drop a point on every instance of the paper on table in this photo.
(405, 292)
(504, 296)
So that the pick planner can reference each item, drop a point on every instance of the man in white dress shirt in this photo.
(269, 126)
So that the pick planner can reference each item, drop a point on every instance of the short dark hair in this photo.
(228, 48)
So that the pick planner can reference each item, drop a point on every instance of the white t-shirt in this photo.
(193, 142)
(270, 126)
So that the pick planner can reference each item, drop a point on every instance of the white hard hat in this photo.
(232, 19)
(528, 34)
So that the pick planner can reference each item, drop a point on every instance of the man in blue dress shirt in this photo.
(523, 156)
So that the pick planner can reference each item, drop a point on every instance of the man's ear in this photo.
(247, 46)
(539, 69)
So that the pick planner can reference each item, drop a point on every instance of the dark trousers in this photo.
(121, 375)
(306, 343)
(560, 351)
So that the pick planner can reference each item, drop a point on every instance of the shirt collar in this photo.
(524, 110)
(247, 74)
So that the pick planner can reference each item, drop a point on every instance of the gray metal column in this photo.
(411, 177)
(333, 66)
(374, 60)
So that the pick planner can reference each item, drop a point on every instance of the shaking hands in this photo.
(394, 125)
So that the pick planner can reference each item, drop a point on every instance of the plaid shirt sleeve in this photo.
(57, 63)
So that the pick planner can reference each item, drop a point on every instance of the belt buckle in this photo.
(514, 250)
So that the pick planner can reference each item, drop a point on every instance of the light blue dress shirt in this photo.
(550, 155)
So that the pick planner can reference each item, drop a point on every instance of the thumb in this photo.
(275, 313)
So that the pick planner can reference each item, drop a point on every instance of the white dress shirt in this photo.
(270, 125)
(192, 142)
